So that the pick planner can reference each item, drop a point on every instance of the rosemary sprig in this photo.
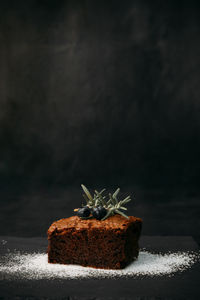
(112, 205)
(97, 200)
(88, 197)
(100, 198)
(115, 206)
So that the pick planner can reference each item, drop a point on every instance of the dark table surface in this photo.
(183, 285)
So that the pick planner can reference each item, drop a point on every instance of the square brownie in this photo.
(109, 244)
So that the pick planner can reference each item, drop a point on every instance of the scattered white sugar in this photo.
(36, 266)
(3, 242)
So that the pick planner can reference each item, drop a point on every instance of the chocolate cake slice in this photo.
(109, 244)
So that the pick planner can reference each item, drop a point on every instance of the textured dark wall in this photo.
(100, 92)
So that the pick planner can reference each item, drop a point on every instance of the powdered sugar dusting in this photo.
(36, 266)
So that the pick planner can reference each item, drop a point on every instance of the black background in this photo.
(104, 93)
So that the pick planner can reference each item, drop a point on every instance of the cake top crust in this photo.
(113, 222)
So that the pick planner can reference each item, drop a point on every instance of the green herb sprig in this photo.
(111, 204)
